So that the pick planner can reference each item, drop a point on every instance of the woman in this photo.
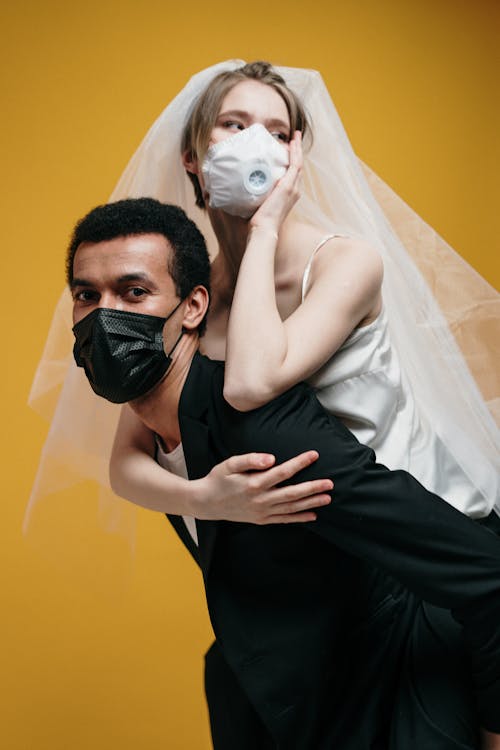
(293, 285)
(337, 207)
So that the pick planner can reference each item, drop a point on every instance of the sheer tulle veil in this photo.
(443, 315)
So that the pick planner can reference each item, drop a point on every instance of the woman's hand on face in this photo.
(285, 194)
(244, 488)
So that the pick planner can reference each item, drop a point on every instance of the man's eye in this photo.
(85, 295)
(136, 292)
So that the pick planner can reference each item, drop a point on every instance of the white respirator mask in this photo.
(240, 171)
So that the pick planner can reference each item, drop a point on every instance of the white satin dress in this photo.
(364, 386)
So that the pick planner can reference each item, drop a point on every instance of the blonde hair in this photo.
(203, 116)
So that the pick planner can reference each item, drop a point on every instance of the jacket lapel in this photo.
(186, 538)
(194, 407)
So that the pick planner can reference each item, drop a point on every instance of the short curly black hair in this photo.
(189, 264)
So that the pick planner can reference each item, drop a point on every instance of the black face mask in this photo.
(122, 352)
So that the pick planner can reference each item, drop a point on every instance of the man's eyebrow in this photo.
(79, 282)
(134, 276)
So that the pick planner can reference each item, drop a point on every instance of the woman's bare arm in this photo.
(242, 488)
(267, 355)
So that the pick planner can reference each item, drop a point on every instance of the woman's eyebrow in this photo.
(235, 113)
(278, 123)
(246, 116)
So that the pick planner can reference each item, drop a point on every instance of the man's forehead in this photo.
(130, 254)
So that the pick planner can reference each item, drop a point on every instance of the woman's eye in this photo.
(232, 125)
(283, 137)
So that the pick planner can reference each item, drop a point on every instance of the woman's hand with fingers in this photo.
(285, 194)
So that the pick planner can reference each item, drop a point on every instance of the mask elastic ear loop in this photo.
(181, 334)
(174, 310)
(183, 330)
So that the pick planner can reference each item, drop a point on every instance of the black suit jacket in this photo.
(298, 608)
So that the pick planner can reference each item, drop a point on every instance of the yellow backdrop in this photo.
(103, 649)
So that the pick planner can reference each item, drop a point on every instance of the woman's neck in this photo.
(232, 236)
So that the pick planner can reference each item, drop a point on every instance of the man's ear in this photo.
(195, 308)
(190, 162)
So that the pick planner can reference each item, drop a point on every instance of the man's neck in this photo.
(159, 409)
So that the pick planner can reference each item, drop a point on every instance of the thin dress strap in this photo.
(307, 272)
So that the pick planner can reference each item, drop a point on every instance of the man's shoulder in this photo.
(205, 380)
(297, 405)
(203, 384)
(292, 423)
(204, 389)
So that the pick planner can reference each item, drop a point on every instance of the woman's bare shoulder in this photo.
(349, 254)
(301, 236)
(347, 272)
(307, 241)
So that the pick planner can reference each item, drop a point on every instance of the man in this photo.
(323, 640)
